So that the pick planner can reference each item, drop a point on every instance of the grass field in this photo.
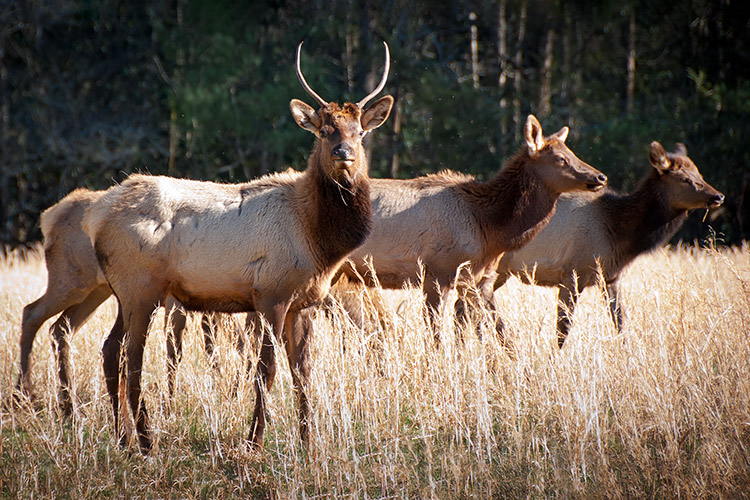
(661, 410)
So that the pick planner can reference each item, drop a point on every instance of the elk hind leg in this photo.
(69, 322)
(137, 316)
(174, 324)
(33, 317)
(112, 364)
(254, 331)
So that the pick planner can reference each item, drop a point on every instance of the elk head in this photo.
(340, 129)
(683, 184)
(555, 162)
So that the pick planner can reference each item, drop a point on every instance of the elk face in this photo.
(684, 186)
(559, 168)
(340, 129)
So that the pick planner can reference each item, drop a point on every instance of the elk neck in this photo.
(337, 217)
(642, 220)
(512, 207)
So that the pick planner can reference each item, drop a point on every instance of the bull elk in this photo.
(608, 230)
(280, 239)
(448, 219)
(76, 287)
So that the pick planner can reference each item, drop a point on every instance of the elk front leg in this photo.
(615, 307)
(266, 369)
(434, 291)
(298, 329)
(489, 294)
(476, 298)
(209, 327)
(566, 303)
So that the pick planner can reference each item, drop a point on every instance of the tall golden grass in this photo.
(661, 410)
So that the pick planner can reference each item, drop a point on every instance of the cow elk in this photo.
(271, 245)
(447, 219)
(608, 230)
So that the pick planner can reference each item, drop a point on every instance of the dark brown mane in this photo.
(513, 206)
(641, 220)
(338, 217)
(337, 213)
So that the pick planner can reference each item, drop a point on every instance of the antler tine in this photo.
(386, 69)
(304, 82)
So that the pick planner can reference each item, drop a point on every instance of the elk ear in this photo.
(680, 149)
(377, 114)
(305, 116)
(534, 137)
(561, 134)
(658, 157)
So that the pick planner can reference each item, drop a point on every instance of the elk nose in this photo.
(717, 199)
(343, 152)
(599, 183)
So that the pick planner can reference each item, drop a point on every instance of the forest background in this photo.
(91, 91)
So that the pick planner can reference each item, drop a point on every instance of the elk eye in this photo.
(560, 160)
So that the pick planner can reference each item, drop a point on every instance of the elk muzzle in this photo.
(598, 182)
(345, 163)
(715, 200)
(343, 153)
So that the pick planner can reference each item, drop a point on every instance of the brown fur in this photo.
(279, 240)
(609, 230)
(513, 206)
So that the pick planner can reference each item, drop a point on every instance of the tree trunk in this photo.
(630, 85)
(518, 73)
(502, 58)
(575, 75)
(474, 51)
(566, 48)
(545, 92)
(393, 171)
(4, 156)
(174, 127)
(349, 49)
(366, 84)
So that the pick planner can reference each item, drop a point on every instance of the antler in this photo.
(361, 104)
(304, 82)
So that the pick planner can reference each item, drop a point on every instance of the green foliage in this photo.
(448, 126)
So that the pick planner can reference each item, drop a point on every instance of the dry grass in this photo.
(659, 411)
